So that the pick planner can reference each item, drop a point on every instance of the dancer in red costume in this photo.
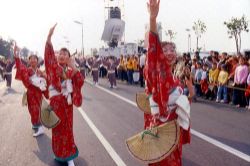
(65, 83)
(165, 92)
(35, 82)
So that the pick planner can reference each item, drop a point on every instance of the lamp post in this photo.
(189, 40)
(81, 23)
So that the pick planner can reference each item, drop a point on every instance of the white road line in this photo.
(221, 145)
(117, 159)
(196, 133)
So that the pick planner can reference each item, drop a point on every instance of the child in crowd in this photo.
(204, 80)
(213, 77)
(222, 88)
(198, 75)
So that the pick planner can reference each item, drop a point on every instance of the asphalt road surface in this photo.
(220, 132)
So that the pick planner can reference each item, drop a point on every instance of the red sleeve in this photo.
(151, 62)
(22, 73)
(150, 70)
(157, 73)
(53, 70)
(77, 81)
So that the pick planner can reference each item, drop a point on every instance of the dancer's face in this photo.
(33, 61)
(63, 57)
(169, 52)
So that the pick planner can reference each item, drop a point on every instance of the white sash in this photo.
(67, 89)
(39, 82)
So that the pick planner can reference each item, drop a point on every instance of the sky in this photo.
(28, 22)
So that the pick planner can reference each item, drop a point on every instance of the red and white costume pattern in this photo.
(63, 95)
(165, 97)
(34, 91)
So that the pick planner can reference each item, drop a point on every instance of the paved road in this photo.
(116, 120)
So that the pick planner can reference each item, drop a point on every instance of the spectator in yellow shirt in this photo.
(129, 66)
(222, 81)
(213, 78)
(213, 74)
(135, 64)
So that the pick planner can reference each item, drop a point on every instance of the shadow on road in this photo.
(188, 162)
(45, 153)
(10, 91)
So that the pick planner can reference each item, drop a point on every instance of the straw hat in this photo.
(142, 100)
(24, 99)
(48, 117)
(151, 146)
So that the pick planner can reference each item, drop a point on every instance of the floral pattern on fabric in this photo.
(159, 83)
(34, 94)
(63, 143)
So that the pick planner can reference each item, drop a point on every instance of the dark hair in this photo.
(168, 43)
(216, 53)
(64, 49)
(33, 55)
(206, 65)
(214, 63)
(224, 53)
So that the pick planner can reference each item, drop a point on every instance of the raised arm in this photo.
(17, 58)
(153, 9)
(22, 71)
(51, 65)
(49, 54)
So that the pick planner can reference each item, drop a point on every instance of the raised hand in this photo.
(71, 63)
(153, 8)
(51, 31)
(189, 83)
(74, 53)
(16, 50)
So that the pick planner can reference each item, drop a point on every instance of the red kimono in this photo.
(159, 83)
(34, 94)
(63, 143)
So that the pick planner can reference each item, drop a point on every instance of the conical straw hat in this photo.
(24, 99)
(150, 147)
(47, 116)
(142, 101)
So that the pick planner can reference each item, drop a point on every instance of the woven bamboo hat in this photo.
(24, 99)
(48, 117)
(142, 100)
(151, 146)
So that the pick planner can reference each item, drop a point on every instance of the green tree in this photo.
(171, 34)
(199, 28)
(6, 48)
(24, 52)
(235, 27)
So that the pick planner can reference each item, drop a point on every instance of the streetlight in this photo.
(189, 40)
(81, 23)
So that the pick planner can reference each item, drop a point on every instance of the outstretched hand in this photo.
(153, 8)
(51, 31)
(74, 53)
(71, 63)
(16, 50)
(189, 83)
